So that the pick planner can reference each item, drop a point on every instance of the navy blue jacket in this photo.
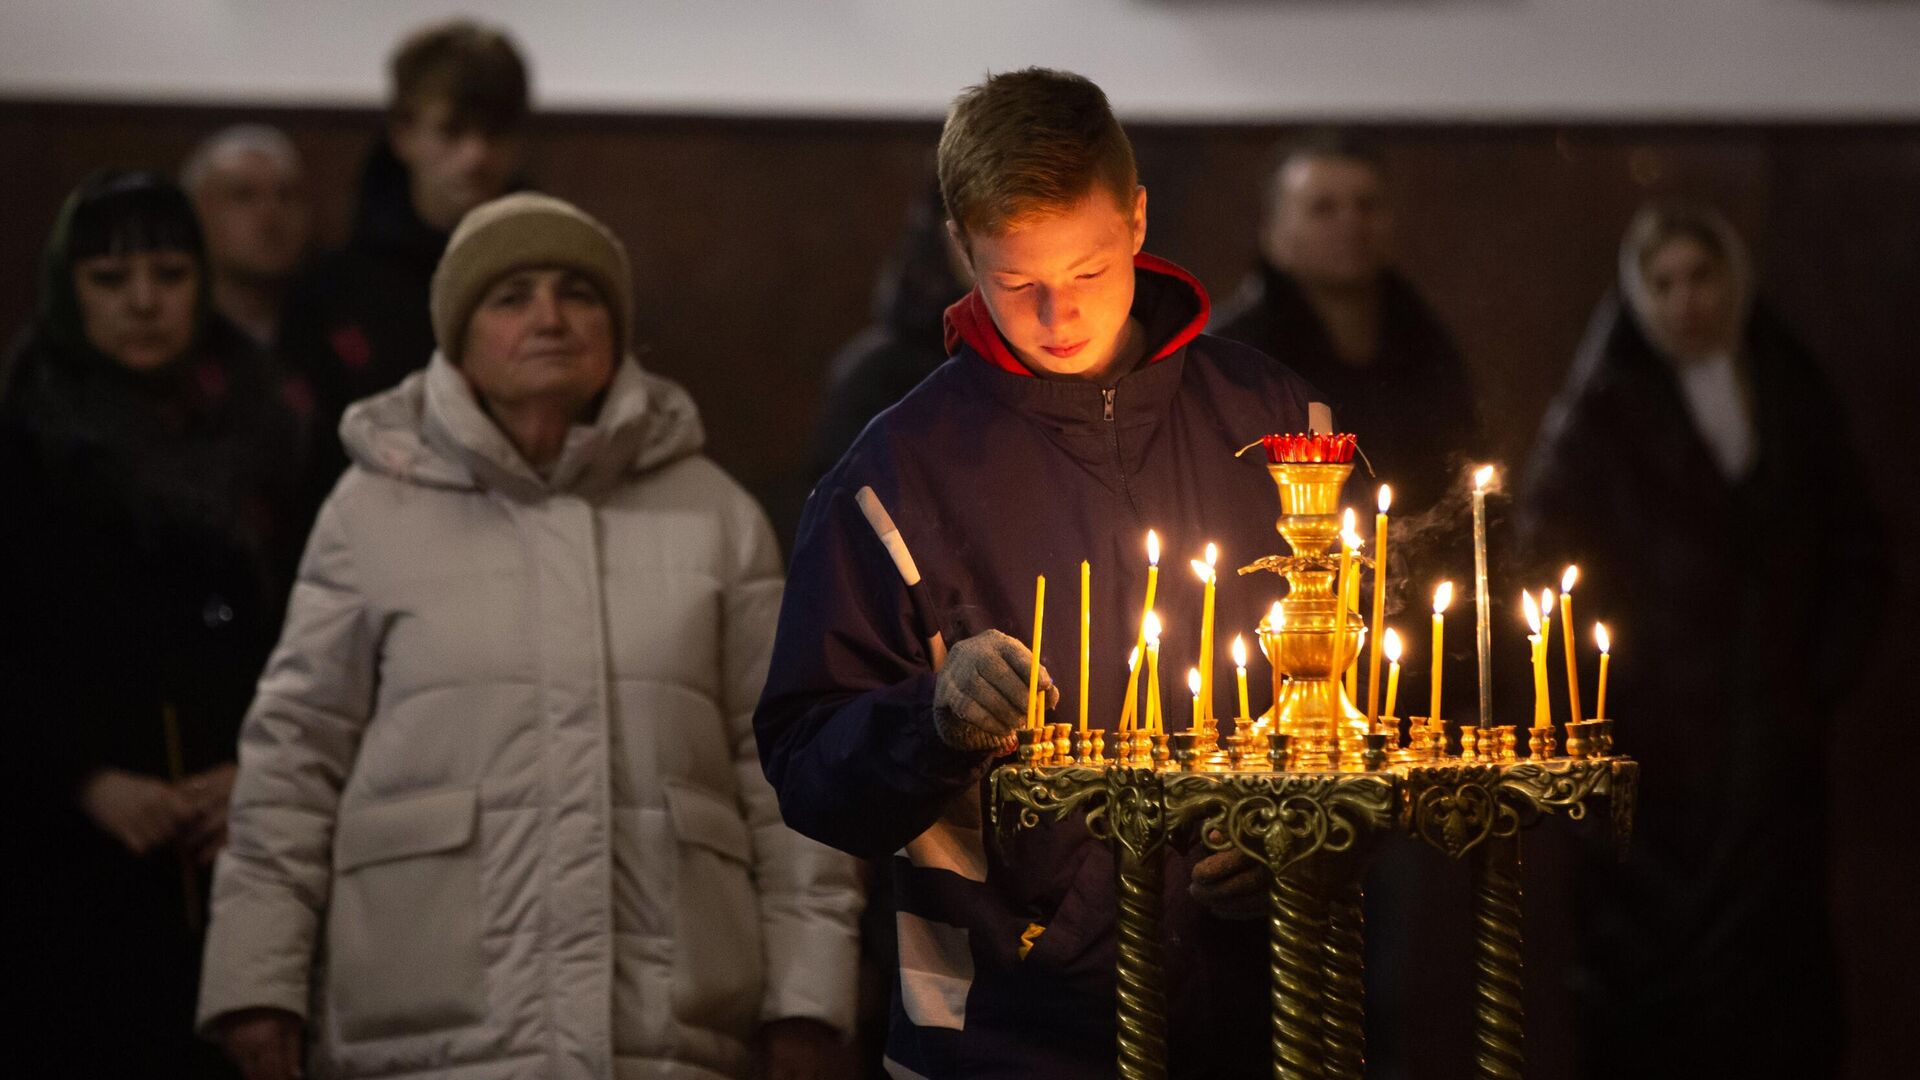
(994, 476)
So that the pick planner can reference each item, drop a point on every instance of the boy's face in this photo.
(453, 164)
(1060, 287)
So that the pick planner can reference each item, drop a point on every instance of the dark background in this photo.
(756, 243)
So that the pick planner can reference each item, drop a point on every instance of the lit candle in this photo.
(1035, 713)
(1531, 608)
(1194, 682)
(1086, 638)
(1442, 597)
(1379, 602)
(1602, 639)
(1240, 674)
(1340, 614)
(1566, 626)
(1392, 648)
(1484, 635)
(1152, 625)
(1133, 675)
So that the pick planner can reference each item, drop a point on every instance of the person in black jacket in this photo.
(356, 322)
(1081, 407)
(1326, 300)
(906, 341)
(1698, 470)
(150, 466)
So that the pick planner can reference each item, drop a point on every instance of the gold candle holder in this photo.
(1027, 745)
(1505, 742)
(1540, 742)
(1090, 747)
(1580, 738)
(1603, 738)
(1374, 757)
(1236, 744)
(1280, 751)
(1312, 706)
(1063, 743)
(1185, 752)
(1161, 753)
(1469, 742)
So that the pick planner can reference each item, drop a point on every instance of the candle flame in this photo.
(1546, 602)
(1346, 520)
(1390, 644)
(1568, 579)
(1133, 658)
(1276, 617)
(1531, 608)
(1152, 629)
(1442, 597)
(1386, 497)
(1482, 478)
(1193, 681)
(1239, 651)
(1201, 570)
(1153, 548)
(1602, 638)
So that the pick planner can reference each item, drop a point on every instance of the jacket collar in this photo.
(432, 430)
(1169, 302)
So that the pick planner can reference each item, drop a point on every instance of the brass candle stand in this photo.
(1314, 830)
(1312, 797)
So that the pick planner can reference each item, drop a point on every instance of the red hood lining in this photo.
(969, 322)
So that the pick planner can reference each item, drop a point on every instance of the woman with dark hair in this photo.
(1697, 468)
(150, 470)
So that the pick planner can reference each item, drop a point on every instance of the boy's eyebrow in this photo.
(1074, 265)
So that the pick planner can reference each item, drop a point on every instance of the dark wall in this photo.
(756, 242)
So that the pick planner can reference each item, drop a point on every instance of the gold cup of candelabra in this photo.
(1311, 705)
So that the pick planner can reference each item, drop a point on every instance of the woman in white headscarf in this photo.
(499, 810)
(1697, 468)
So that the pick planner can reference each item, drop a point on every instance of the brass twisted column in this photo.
(1296, 924)
(1498, 1030)
(1344, 1024)
(1135, 820)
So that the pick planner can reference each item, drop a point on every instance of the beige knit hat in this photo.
(517, 232)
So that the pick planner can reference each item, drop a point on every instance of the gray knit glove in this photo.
(981, 694)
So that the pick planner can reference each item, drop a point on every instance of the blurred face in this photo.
(1329, 224)
(454, 166)
(540, 336)
(138, 308)
(256, 216)
(1060, 288)
(1691, 291)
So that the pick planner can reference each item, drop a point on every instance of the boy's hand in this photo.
(1230, 885)
(981, 695)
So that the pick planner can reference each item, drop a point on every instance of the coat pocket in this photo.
(718, 964)
(404, 922)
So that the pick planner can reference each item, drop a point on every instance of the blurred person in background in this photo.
(905, 341)
(1697, 468)
(250, 191)
(455, 137)
(500, 809)
(149, 467)
(1326, 301)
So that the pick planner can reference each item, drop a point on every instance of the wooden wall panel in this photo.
(756, 242)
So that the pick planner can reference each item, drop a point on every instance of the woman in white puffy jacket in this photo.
(499, 811)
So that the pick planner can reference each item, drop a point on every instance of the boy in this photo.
(1081, 407)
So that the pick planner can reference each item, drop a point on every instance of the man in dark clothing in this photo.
(356, 323)
(1082, 406)
(1698, 470)
(905, 342)
(1326, 299)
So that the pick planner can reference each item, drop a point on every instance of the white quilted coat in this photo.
(499, 812)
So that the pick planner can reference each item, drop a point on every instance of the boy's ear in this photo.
(1139, 218)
